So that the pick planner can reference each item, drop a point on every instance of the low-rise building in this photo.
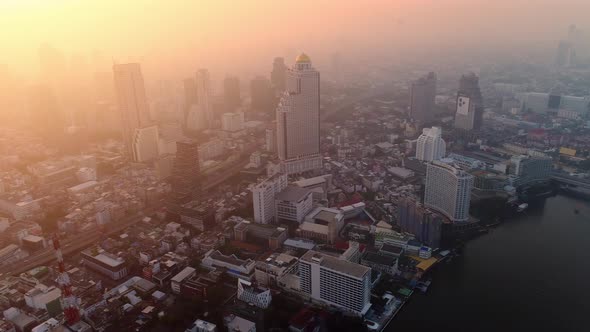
(101, 261)
(237, 268)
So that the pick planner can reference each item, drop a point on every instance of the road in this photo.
(68, 246)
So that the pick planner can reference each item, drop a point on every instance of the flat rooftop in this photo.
(335, 264)
(326, 215)
(292, 194)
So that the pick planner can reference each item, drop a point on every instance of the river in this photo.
(531, 273)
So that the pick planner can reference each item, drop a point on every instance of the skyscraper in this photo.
(424, 223)
(261, 95)
(231, 93)
(135, 118)
(469, 87)
(190, 97)
(264, 197)
(298, 119)
(566, 54)
(448, 190)
(465, 113)
(278, 74)
(43, 111)
(205, 97)
(423, 93)
(430, 145)
(186, 171)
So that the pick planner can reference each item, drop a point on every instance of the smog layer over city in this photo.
(303, 166)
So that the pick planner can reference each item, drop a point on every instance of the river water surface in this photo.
(531, 273)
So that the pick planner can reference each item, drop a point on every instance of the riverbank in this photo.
(527, 273)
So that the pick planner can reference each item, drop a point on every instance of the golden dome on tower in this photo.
(302, 58)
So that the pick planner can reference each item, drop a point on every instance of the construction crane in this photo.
(71, 309)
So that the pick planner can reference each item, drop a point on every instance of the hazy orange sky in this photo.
(233, 35)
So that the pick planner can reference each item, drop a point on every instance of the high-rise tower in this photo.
(430, 145)
(469, 87)
(448, 190)
(298, 119)
(278, 74)
(139, 132)
(423, 93)
(231, 93)
(205, 97)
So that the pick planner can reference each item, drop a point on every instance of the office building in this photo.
(139, 136)
(264, 197)
(237, 268)
(425, 224)
(190, 97)
(231, 93)
(279, 74)
(145, 144)
(185, 171)
(205, 97)
(322, 224)
(529, 169)
(339, 283)
(292, 204)
(202, 326)
(469, 87)
(271, 140)
(465, 113)
(298, 119)
(566, 54)
(232, 122)
(545, 102)
(187, 273)
(448, 190)
(250, 293)
(261, 95)
(43, 109)
(430, 145)
(423, 93)
(103, 262)
(265, 236)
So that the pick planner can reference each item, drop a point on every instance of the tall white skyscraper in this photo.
(448, 190)
(430, 145)
(298, 119)
(264, 197)
(139, 132)
(205, 97)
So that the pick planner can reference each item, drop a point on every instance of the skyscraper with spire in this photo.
(298, 119)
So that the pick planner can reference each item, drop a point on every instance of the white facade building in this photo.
(251, 294)
(430, 145)
(293, 203)
(264, 197)
(448, 190)
(340, 283)
(145, 144)
(298, 119)
(41, 295)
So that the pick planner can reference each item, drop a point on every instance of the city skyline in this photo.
(298, 166)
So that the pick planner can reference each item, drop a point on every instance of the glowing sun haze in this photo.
(232, 35)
